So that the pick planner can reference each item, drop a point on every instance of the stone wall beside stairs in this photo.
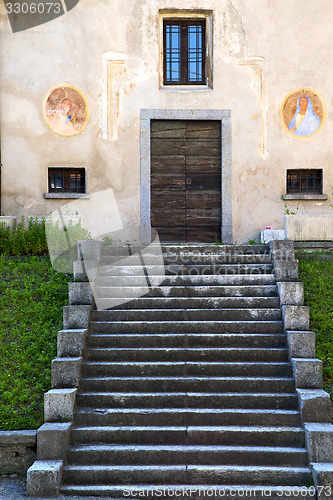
(314, 404)
(53, 437)
(17, 451)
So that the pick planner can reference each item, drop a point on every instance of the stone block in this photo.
(89, 249)
(78, 271)
(323, 479)
(319, 441)
(291, 293)
(71, 343)
(314, 405)
(285, 270)
(80, 293)
(268, 235)
(44, 478)
(17, 451)
(53, 440)
(76, 317)
(308, 373)
(65, 372)
(59, 405)
(296, 318)
(145, 234)
(26, 438)
(90, 268)
(7, 220)
(301, 344)
(83, 269)
(282, 249)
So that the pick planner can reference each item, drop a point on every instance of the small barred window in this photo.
(67, 180)
(305, 181)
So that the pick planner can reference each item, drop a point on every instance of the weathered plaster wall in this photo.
(291, 40)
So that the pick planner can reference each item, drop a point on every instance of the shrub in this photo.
(38, 236)
(22, 239)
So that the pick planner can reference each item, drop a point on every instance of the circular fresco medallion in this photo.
(66, 110)
(303, 112)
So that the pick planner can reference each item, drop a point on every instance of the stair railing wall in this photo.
(44, 477)
(313, 401)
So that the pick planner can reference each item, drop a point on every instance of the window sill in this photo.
(304, 196)
(186, 88)
(64, 196)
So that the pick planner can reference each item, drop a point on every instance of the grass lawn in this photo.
(31, 298)
(317, 277)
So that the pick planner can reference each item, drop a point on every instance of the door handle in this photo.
(188, 181)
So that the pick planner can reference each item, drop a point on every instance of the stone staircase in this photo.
(189, 386)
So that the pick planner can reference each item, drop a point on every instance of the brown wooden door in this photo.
(186, 180)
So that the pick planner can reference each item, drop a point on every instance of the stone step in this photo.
(203, 401)
(205, 342)
(179, 416)
(210, 327)
(181, 384)
(186, 280)
(187, 354)
(211, 258)
(176, 249)
(216, 249)
(99, 454)
(121, 416)
(189, 435)
(187, 303)
(187, 315)
(186, 259)
(183, 269)
(185, 369)
(188, 291)
(89, 481)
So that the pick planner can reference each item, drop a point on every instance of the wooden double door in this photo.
(186, 180)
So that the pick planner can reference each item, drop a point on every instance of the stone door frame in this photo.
(224, 116)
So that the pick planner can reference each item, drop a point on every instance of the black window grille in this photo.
(67, 180)
(305, 181)
(184, 51)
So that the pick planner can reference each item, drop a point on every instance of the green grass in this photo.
(317, 277)
(31, 298)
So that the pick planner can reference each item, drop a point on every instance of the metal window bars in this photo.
(67, 180)
(305, 181)
(184, 51)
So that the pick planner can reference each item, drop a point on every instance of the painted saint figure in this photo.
(61, 119)
(66, 110)
(305, 120)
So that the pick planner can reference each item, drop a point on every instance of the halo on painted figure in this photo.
(303, 112)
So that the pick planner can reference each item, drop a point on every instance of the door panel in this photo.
(204, 164)
(164, 146)
(198, 147)
(202, 234)
(210, 201)
(165, 129)
(202, 129)
(186, 180)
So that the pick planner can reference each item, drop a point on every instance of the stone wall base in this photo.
(18, 451)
